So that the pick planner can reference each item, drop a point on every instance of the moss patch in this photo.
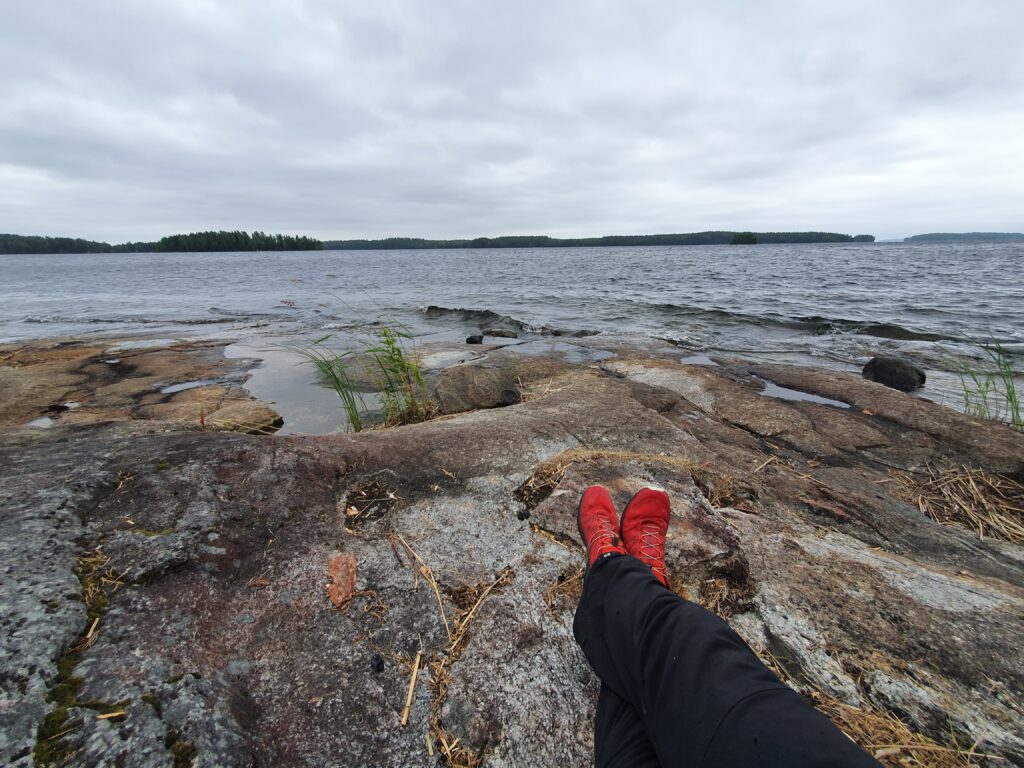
(95, 577)
(183, 752)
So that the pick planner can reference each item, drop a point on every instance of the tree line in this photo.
(543, 241)
(966, 237)
(195, 241)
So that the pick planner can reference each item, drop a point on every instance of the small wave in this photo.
(241, 314)
(126, 320)
(812, 324)
(824, 325)
(484, 318)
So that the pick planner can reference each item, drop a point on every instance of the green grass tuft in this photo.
(397, 376)
(992, 393)
(333, 369)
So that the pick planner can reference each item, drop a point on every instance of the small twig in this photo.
(391, 540)
(412, 688)
(428, 575)
(764, 464)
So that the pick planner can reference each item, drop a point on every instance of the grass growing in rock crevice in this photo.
(991, 393)
(400, 382)
(96, 577)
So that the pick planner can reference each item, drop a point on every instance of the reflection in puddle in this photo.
(292, 387)
(771, 389)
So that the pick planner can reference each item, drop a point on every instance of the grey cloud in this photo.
(129, 120)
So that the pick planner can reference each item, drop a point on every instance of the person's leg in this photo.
(620, 737)
(703, 695)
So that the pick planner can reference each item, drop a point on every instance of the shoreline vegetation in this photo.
(194, 242)
(967, 237)
(543, 241)
(259, 241)
(224, 241)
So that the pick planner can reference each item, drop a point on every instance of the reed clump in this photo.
(395, 374)
(991, 393)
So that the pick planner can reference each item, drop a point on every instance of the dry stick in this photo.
(463, 625)
(412, 688)
(424, 570)
(763, 464)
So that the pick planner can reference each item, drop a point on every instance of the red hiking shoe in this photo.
(598, 524)
(644, 525)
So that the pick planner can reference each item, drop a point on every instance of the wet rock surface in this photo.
(146, 384)
(219, 644)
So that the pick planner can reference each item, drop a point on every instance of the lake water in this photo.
(833, 305)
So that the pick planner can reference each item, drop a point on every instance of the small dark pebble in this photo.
(523, 514)
(377, 663)
(477, 339)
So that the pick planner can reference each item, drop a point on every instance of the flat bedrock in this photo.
(219, 641)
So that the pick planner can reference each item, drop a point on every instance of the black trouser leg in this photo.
(620, 737)
(703, 696)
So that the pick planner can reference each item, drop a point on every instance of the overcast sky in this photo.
(132, 120)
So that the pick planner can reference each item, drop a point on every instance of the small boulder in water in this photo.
(894, 372)
(501, 333)
(475, 339)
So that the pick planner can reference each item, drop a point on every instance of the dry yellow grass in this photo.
(989, 504)
(456, 626)
(891, 741)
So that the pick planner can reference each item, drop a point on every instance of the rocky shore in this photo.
(164, 577)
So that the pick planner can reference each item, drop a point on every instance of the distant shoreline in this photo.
(222, 241)
(967, 237)
(238, 241)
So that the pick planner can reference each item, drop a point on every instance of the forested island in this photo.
(260, 241)
(543, 241)
(192, 242)
(967, 237)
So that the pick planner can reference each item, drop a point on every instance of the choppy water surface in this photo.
(833, 305)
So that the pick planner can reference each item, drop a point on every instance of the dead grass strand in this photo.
(988, 504)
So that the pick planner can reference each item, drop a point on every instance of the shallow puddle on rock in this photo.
(186, 385)
(43, 422)
(697, 359)
(291, 386)
(771, 389)
(135, 344)
(570, 353)
(434, 361)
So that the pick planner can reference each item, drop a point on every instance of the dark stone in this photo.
(895, 373)
(475, 339)
(501, 333)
